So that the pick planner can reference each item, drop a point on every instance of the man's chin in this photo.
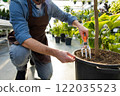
(37, 2)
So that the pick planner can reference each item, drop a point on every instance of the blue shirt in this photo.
(19, 15)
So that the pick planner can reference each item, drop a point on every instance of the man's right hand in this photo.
(64, 56)
(37, 46)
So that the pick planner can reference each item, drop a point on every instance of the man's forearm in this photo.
(36, 46)
(76, 23)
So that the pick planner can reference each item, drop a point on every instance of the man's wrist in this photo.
(55, 52)
(76, 23)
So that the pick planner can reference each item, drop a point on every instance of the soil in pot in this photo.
(105, 57)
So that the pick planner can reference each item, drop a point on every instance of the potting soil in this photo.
(107, 57)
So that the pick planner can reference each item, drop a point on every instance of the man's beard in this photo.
(39, 1)
(42, 1)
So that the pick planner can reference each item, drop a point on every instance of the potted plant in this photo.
(74, 1)
(7, 15)
(4, 15)
(67, 9)
(57, 31)
(89, 2)
(83, 2)
(52, 32)
(103, 66)
(0, 14)
(62, 35)
(69, 31)
(100, 2)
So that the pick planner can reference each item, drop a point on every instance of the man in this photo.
(29, 19)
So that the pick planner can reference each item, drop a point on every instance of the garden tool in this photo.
(85, 47)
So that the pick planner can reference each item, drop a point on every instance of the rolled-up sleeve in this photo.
(18, 21)
(56, 12)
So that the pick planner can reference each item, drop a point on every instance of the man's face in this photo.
(39, 1)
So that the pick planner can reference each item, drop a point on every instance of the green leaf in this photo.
(101, 24)
(116, 24)
(112, 37)
(89, 25)
(114, 17)
(104, 17)
(110, 24)
(92, 18)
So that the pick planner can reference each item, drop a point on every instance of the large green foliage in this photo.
(115, 7)
(106, 25)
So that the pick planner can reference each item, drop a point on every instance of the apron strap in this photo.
(29, 7)
(46, 9)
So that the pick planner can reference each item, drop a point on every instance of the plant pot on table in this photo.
(57, 39)
(53, 35)
(83, 2)
(89, 69)
(75, 2)
(62, 37)
(89, 2)
(68, 41)
(0, 16)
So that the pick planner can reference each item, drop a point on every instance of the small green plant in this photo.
(74, 1)
(83, 2)
(68, 30)
(56, 31)
(100, 1)
(67, 9)
(89, 2)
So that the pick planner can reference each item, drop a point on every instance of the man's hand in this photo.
(81, 28)
(64, 56)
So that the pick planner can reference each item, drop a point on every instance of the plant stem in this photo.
(96, 29)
